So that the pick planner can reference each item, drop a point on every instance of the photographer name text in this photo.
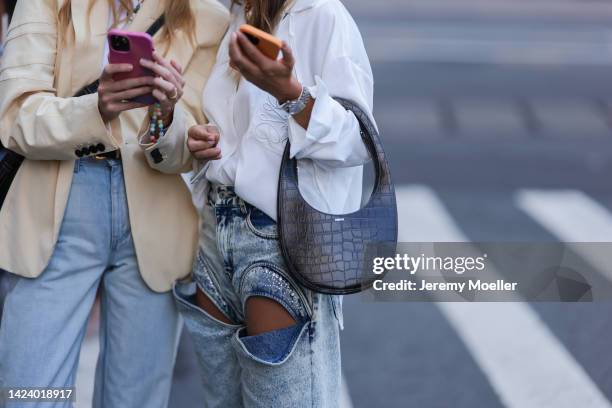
(455, 265)
(425, 286)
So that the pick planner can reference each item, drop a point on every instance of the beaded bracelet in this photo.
(156, 124)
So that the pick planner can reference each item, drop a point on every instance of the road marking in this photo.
(573, 217)
(423, 217)
(524, 362)
(402, 49)
(485, 43)
(577, 11)
(569, 214)
(345, 397)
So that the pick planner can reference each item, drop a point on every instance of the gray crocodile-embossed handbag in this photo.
(330, 253)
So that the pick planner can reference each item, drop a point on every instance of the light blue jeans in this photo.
(45, 319)
(289, 368)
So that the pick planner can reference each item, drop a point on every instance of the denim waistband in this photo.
(91, 161)
(225, 196)
(105, 162)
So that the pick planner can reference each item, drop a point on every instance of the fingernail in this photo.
(234, 36)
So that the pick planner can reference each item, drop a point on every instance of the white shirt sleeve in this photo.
(333, 135)
(332, 138)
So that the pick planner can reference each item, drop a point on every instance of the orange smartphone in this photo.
(269, 45)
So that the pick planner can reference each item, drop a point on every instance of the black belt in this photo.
(115, 155)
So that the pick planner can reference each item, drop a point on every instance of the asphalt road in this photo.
(496, 118)
(500, 134)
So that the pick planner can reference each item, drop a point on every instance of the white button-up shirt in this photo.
(331, 60)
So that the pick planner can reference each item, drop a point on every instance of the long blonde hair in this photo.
(179, 16)
(263, 14)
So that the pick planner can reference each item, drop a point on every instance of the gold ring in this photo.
(175, 96)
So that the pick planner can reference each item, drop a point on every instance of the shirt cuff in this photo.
(321, 119)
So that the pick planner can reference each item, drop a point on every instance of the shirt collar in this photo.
(294, 7)
(301, 5)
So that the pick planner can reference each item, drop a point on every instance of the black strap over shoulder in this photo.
(157, 25)
(93, 87)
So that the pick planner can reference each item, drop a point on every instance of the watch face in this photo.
(296, 106)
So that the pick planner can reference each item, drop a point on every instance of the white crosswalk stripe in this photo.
(573, 217)
(569, 214)
(345, 398)
(503, 338)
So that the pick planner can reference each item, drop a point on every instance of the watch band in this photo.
(296, 106)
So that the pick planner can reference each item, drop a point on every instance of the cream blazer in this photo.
(40, 120)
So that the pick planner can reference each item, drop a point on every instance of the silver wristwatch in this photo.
(297, 105)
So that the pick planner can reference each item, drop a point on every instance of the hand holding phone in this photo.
(115, 97)
(254, 54)
(127, 47)
(137, 77)
(269, 45)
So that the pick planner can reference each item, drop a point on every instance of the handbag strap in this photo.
(93, 87)
(369, 136)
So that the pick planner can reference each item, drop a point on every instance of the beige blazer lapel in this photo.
(90, 30)
(182, 49)
(85, 65)
(149, 12)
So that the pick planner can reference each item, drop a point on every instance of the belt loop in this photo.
(77, 166)
(211, 196)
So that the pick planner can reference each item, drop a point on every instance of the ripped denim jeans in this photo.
(240, 257)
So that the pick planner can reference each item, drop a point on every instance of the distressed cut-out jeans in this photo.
(239, 258)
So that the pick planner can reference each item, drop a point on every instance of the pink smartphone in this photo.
(126, 47)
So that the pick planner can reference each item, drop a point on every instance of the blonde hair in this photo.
(179, 16)
(263, 14)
